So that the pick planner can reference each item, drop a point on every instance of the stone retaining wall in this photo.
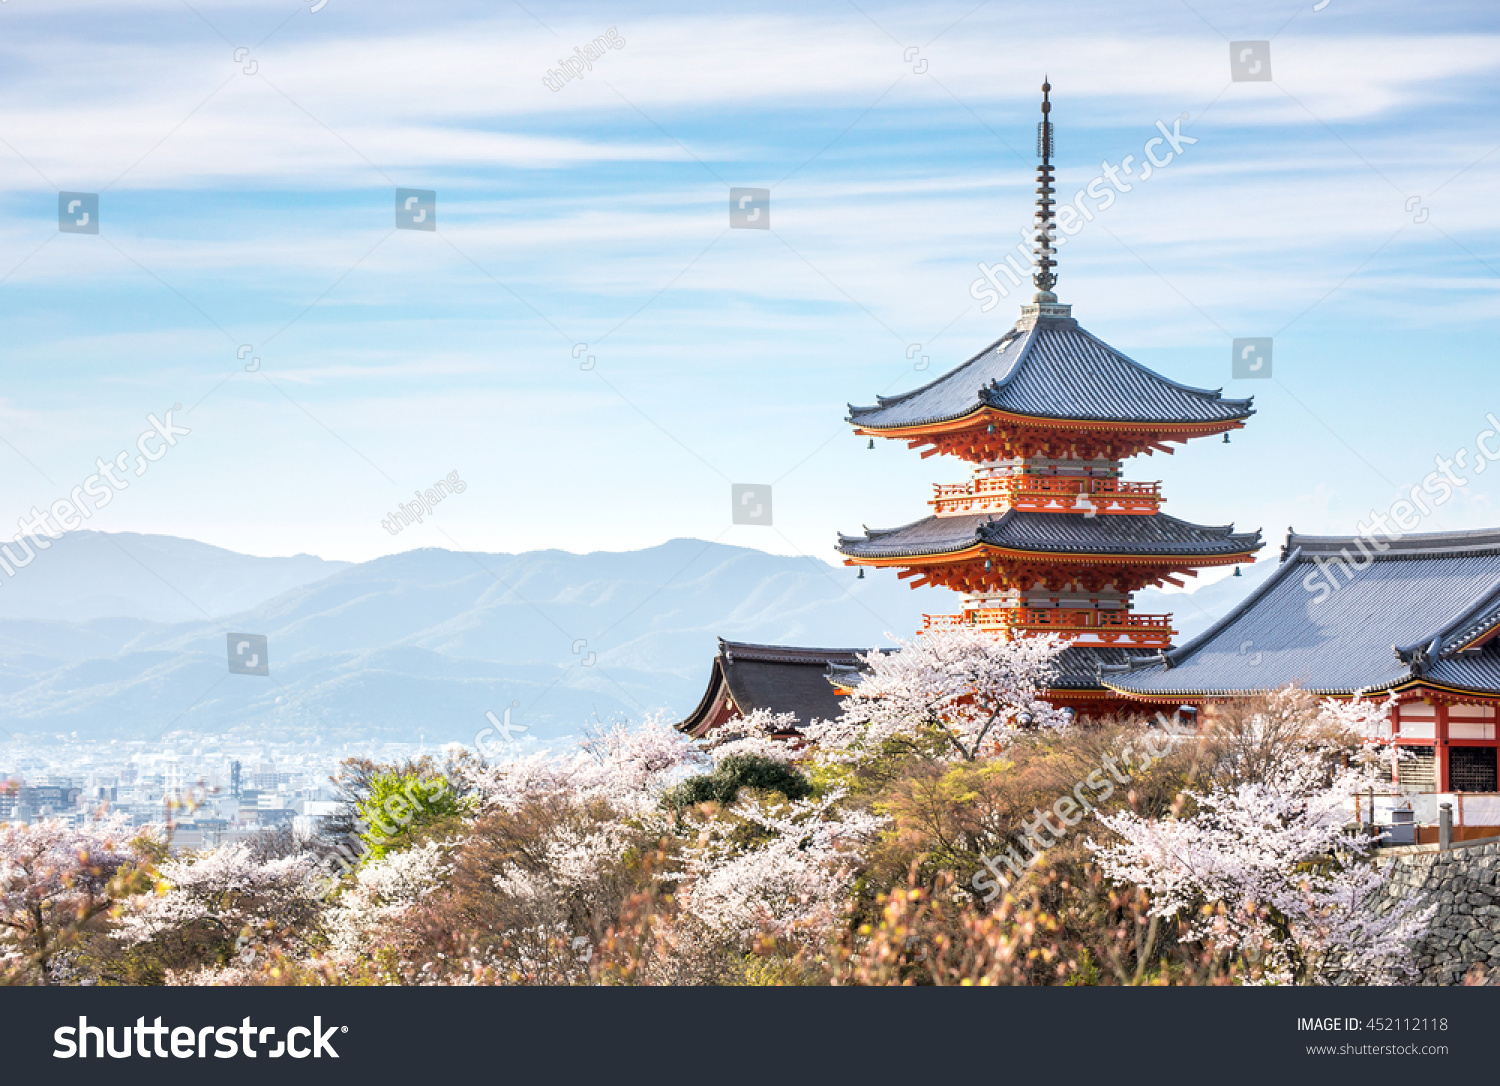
(1463, 940)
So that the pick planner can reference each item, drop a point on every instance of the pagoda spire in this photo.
(1046, 241)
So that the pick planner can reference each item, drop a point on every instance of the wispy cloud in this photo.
(257, 209)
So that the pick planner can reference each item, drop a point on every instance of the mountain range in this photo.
(124, 636)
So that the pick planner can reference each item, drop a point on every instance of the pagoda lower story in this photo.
(1052, 546)
(1059, 547)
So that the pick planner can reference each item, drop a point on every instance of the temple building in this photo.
(1415, 617)
(1048, 536)
(776, 678)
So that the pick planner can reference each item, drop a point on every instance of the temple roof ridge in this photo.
(1407, 545)
(800, 654)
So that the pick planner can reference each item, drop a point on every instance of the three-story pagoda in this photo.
(1048, 536)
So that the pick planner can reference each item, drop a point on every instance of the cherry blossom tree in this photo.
(558, 839)
(784, 871)
(561, 895)
(957, 694)
(629, 767)
(383, 891)
(55, 879)
(1262, 866)
(739, 870)
(223, 901)
(761, 733)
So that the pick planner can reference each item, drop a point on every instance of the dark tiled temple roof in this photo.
(930, 535)
(1156, 534)
(1408, 615)
(1077, 666)
(1470, 671)
(779, 678)
(1153, 534)
(1052, 369)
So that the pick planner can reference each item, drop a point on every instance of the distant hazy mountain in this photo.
(124, 635)
(89, 575)
(426, 641)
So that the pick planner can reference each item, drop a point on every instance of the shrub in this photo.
(740, 771)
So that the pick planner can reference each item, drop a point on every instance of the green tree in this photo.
(738, 771)
(400, 804)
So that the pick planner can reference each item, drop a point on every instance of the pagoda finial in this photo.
(1046, 241)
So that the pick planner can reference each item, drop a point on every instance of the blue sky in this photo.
(1345, 208)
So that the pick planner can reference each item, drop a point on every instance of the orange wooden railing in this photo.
(1102, 625)
(1048, 493)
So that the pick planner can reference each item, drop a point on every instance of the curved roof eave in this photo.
(1115, 422)
(1152, 695)
(958, 535)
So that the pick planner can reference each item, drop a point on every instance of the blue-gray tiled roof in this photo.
(1052, 369)
(779, 678)
(930, 535)
(1405, 616)
(1154, 534)
(1077, 666)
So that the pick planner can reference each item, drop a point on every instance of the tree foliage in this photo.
(57, 884)
(398, 806)
(867, 850)
(737, 771)
(1261, 858)
(958, 694)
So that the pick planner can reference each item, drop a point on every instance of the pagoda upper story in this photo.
(1050, 389)
(1047, 535)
